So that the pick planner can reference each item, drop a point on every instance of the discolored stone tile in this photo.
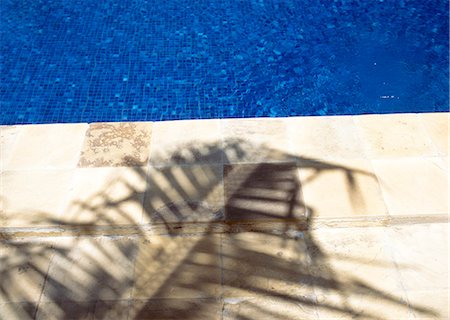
(341, 188)
(184, 194)
(54, 146)
(178, 267)
(186, 142)
(106, 196)
(413, 186)
(255, 140)
(263, 192)
(176, 309)
(324, 137)
(394, 135)
(437, 126)
(31, 198)
(23, 270)
(263, 264)
(82, 310)
(90, 269)
(422, 252)
(124, 144)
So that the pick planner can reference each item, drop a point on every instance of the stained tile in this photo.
(106, 196)
(324, 137)
(437, 126)
(90, 269)
(184, 194)
(345, 188)
(31, 198)
(176, 309)
(178, 267)
(255, 140)
(263, 192)
(394, 135)
(23, 270)
(186, 142)
(55, 146)
(263, 264)
(116, 144)
(413, 186)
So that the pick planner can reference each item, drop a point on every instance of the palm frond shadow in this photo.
(188, 256)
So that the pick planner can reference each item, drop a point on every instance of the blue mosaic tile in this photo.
(89, 61)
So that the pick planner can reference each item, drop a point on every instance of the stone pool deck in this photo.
(287, 218)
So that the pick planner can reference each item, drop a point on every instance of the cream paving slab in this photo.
(186, 142)
(90, 269)
(255, 140)
(18, 310)
(437, 126)
(176, 309)
(8, 137)
(263, 264)
(23, 270)
(413, 186)
(178, 267)
(190, 193)
(33, 198)
(276, 307)
(124, 144)
(341, 188)
(47, 146)
(66, 310)
(430, 304)
(263, 192)
(424, 251)
(394, 135)
(324, 137)
(112, 309)
(106, 196)
(354, 264)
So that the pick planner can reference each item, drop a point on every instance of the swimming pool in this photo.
(88, 61)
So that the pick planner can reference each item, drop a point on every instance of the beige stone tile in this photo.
(413, 186)
(124, 144)
(360, 306)
(23, 269)
(429, 304)
(255, 140)
(55, 146)
(176, 309)
(263, 192)
(31, 198)
(106, 196)
(394, 135)
(186, 142)
(342, 259)
(324, 137)
(178, 267)
(91, 269)
(112, 309)
(83, 310)
(437, 126)
(18, 310)
(341, 188)
(8, 138)
(259, 264)
(422, 253)
(191, 193)
(270, 307)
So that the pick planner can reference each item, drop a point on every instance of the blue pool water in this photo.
(86, 61)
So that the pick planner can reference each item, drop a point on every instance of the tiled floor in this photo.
(298, 218)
